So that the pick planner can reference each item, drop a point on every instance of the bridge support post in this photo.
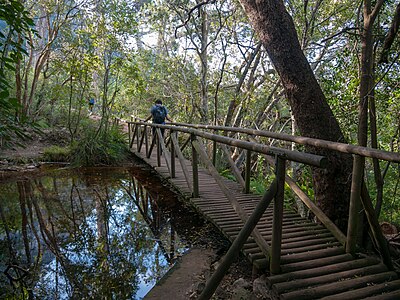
(172, 156)
(195, 168)
(248, 171)
(146, 138)
(156, 136)
(129, 132)
(138, 137)
(133, 135)
(355, 203)
(214, 154)
(276, 240)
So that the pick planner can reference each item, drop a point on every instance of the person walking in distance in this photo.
(91, 104)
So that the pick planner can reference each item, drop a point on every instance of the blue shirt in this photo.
(155, 106)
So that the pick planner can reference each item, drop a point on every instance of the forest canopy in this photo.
(205, 61)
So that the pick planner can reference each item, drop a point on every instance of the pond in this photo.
(100, 233)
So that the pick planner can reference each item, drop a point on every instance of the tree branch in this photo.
(344, 30)
(376, 10)
(390, 36)
(190, 14)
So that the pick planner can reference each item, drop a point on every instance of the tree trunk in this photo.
(204, 65)
(313, 115)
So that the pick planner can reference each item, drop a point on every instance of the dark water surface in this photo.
(87, 234)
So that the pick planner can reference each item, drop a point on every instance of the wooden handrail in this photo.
(306, 158)
(301, 140)
(307, 141)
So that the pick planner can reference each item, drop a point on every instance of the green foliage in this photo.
(390, 210)
(15, 25)
(95, 148)
(57, 154)
(257, 186)
(228, 174)
(262, 179)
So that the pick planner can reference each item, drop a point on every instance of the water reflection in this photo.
(92, 234)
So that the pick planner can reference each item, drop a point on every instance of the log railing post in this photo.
(144, 135)
(247, 172)
(153, 141)
(146, 138)
(355, 203)
(155, 136)
(214, 154)
(129, 133)
(139, 127)
(195, 169)
(276, 240)
(163, 149)
(133, 135)
(185, 170)
(172, 155)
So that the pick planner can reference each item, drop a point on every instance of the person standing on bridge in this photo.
(158, 113)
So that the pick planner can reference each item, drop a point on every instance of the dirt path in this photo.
(182, 281)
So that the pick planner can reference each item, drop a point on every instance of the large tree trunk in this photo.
(313, 115)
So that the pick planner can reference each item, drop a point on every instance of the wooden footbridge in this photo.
(305, 260)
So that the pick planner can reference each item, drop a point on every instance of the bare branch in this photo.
(190, 14)
(344, 30)
(391, 35)
(376, 10)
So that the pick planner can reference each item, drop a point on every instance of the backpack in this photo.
(159, 114)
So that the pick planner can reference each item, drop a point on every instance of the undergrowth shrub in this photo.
(95, 148)
(57, 154)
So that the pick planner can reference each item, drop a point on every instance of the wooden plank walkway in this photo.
(314, 264)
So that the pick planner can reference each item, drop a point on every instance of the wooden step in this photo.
(306, 249)
(251, 244)
(253, 247)
(338, 287)
(394, 295)
(298, 244)
(330, 265)
(309, 264)
(328, 278)
(310, 255)
(390, 289)
(289, 232)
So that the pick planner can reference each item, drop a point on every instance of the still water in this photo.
(86, 234)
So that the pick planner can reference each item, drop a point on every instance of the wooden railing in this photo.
(358, 189)
(149, 135)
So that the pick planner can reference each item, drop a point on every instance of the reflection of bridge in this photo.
(306, 260)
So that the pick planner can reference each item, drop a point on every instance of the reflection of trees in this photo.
(74, 238)
(45, 221)
(13, 272)
(147, 204)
